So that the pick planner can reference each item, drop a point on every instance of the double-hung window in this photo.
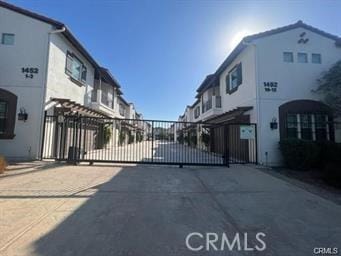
(75, 68)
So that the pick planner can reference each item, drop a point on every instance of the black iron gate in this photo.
(90, 139)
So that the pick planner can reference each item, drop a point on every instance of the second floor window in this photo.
(316, 58)
(234, 79)
(197, 112)
(75, 68)
(122, 110)
(288, 57)
(302, 57)
(7, 39)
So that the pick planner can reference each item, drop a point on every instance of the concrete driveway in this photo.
(138, 210)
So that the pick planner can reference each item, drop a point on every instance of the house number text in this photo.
(29, 72)
(270, 86)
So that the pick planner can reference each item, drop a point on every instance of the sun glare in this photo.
(238, 37)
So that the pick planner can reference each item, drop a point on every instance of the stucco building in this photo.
(44, 68)
(269, 79)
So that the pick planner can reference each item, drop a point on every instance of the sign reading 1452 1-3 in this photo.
(29, 72)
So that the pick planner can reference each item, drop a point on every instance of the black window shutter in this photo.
(227, 83)
(240, 74)
(68, 66)
(84, 71)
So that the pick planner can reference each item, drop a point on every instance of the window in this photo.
(308, 126)
(288, 57)
(234, 79)
(7, 39)
(302, 57)
(75, 68)
(316, 58)
(122, 109)
(321, 127)
(292, 125)
(3, 116)
(197, 112)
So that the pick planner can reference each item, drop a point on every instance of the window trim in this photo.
(7, 34)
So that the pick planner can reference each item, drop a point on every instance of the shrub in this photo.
(205, 137)
(122, 137)
(107, 133)
(300, 154)
(3, 164)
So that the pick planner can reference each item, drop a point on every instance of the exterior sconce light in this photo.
(273, 124)
(22, 115)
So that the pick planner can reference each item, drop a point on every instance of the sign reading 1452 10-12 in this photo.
(29, 72)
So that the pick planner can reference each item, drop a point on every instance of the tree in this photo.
(330, 87)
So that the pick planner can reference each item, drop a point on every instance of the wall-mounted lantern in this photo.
(273, 124)
(22, 115)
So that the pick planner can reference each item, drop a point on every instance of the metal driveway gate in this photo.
(89, 139)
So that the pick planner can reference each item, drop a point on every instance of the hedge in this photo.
(304, 155)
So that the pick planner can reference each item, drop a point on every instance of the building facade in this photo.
(45, 69)
(269, 79)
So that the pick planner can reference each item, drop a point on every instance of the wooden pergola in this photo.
(70, 107)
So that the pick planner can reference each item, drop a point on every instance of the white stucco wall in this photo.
(295, 80)
(246, 93)
(29, 50)
(59, 84)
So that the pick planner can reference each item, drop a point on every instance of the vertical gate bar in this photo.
(256, 143)
(226, 154)
(80, 136)
(152, 141)
(43, 137)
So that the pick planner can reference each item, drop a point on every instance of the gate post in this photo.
(43, 137)
(226, 148)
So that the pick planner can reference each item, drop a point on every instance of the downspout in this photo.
(258, 114)
(61, 30)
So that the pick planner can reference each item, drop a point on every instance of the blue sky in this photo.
(160, 51)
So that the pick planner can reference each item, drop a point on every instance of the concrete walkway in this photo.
(141, 210)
